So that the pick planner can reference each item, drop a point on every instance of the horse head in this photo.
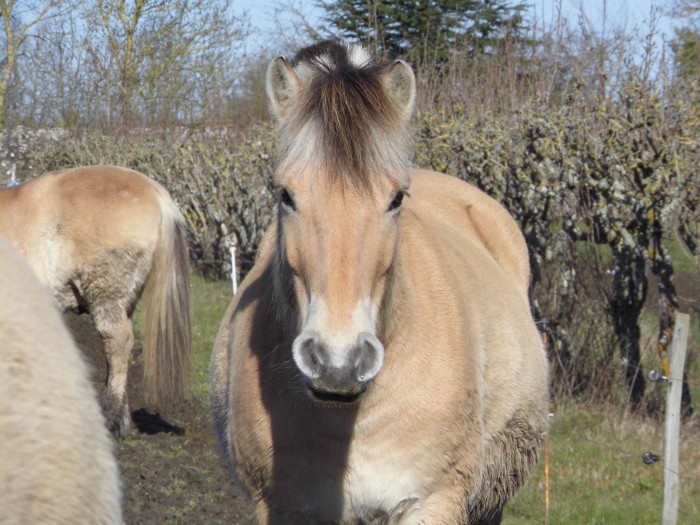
(342, 173)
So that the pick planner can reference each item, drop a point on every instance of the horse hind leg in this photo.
(116, 329)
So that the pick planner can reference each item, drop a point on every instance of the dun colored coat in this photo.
(98, 237)
(380, 363)
(56, 462)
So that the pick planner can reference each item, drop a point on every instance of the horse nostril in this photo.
(367, 358)
(313, 355)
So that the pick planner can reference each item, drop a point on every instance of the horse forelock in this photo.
(344, 124)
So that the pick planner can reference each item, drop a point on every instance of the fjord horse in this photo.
(98, 237)
(56, 461)
(380, 363)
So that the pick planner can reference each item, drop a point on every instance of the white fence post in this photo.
(673, 420)
(234, 275)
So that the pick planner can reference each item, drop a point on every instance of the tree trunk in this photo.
(629, 292)
(625, 322)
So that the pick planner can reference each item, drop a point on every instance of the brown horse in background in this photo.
(98, 237)
(56, 461)
(380, 363)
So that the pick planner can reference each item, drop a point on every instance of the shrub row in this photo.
(221, 183)
(597, 189)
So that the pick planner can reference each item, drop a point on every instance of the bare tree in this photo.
(157, 54)
(53, 85)
(19, 19)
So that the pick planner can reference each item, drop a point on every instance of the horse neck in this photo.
(283, 303)
(395, 303)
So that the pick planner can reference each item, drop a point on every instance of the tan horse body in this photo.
(380, 363)
(56, 462)
(97, 237)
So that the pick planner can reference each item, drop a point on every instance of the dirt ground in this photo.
(170, 468)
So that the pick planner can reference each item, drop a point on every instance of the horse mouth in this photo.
(334, 398)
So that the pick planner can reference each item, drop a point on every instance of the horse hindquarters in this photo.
(96, 236)
(163, 276)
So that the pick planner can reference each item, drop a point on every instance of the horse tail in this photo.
(167, 344)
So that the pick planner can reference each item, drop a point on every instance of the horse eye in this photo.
(286, 199)
(396, 201)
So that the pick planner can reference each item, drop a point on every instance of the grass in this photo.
(683, 259)
(656, 392)
(596, 472)
(210, 299)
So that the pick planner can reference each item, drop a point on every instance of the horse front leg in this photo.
(116, 331)
(444, 507)
(415, 514)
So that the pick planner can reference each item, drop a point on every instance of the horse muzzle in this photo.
(338, 375)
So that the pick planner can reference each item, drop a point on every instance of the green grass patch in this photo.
(596, 472)
(683, 259)
(210, 299)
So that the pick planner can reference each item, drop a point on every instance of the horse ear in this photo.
(400, 84)
(282, 85)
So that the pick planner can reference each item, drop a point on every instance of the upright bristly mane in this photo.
(343, 122)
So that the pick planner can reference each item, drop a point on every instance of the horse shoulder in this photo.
(479, 215)
(243, 339)
(250, 316)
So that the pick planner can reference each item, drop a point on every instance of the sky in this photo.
(632, 15)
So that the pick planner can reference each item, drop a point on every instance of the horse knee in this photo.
(117, 338)
(118, 341)
(405, 513)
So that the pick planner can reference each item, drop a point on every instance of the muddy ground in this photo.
(170, 468)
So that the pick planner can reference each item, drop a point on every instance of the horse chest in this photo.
(349, 477)
(379, 480)
(386, 467)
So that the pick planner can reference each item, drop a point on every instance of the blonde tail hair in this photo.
(167, 344)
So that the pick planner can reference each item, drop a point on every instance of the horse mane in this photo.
(344, 122)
